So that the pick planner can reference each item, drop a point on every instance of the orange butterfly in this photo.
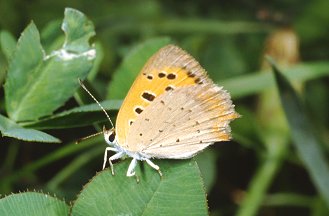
(172, 111)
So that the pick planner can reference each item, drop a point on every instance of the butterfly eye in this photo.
(111, 137)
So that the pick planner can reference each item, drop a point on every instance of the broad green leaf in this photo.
(9, 128)
(77, 117)
(304, 139)
(38, 84)
(132, 65)
(207, 163)
(179, 192)
(253, 83)
(8, 44)
(32, 203)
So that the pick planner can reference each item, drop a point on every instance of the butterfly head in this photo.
(109, 135)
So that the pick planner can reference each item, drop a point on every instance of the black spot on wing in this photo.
(190, 74)
(138, 110)
(169, 88)
(198, 81)
(161, 75)
(148, 96)
(171, 76)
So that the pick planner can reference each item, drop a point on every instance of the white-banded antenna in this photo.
(85, 88)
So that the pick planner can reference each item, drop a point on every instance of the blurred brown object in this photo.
(283, 46)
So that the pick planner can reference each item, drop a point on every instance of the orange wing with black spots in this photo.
(168, 69)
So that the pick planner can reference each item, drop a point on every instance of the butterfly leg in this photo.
(115, 157)
(105, 154)
(131, 168)
(154, 166)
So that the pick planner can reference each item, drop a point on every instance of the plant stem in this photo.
(262, 180)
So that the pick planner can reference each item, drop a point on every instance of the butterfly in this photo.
(173, 110)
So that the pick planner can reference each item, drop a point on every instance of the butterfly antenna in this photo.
(87, 137)
(107, 115)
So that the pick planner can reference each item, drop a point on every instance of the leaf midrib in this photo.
(151, 198)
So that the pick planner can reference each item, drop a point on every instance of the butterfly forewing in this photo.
(168, 69)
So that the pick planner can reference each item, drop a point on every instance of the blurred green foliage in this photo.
(263, 171)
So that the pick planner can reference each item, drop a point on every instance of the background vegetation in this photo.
(277, 163)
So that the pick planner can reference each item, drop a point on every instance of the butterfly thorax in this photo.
(112, 139)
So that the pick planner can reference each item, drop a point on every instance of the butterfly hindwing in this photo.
(180, 123)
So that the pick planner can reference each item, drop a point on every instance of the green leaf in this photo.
(304, 139)
(207, 163)
(77, 117)
(125, 75)
(256, 82)
(179, 192)
(32, 203)
(78, 30)
(38, 84)
(289, 199)
(9, 128)
(8, 44)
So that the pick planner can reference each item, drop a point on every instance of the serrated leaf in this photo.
(9, 128)
(125, 75)
(77, 117)
(37, 84)
(179, 192)
(32, 203)
(304, 139)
